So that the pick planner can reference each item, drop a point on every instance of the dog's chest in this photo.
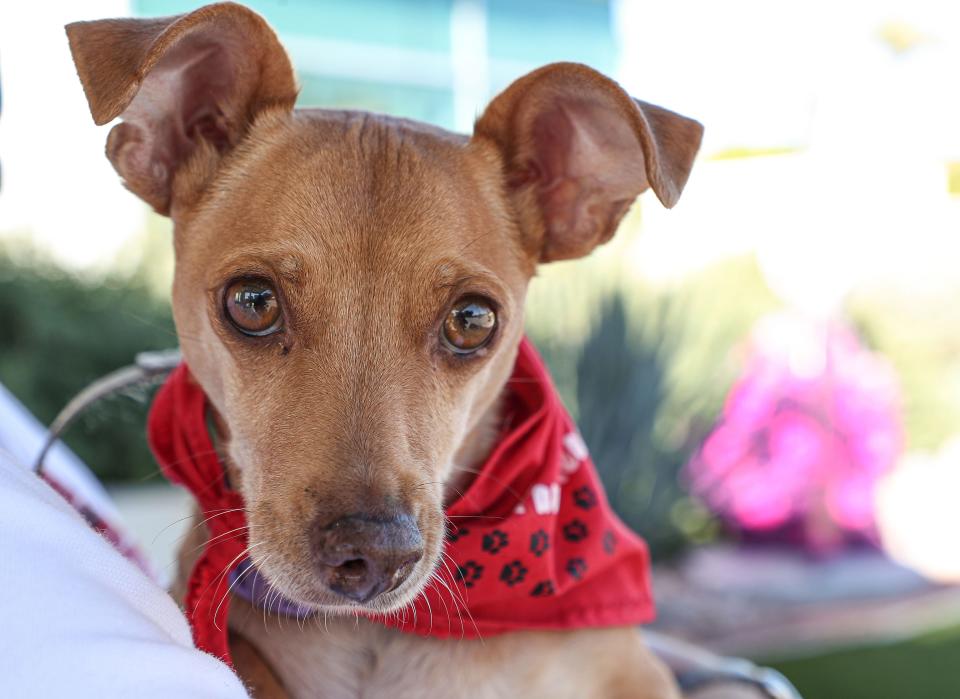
(350, 658)
(347, 658)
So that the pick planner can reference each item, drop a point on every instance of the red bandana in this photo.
(533, 542)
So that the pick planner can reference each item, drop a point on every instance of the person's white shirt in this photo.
(79, 620)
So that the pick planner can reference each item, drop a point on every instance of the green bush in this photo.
(62, 332)
(646, 382)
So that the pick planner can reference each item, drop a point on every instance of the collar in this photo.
(533, 543)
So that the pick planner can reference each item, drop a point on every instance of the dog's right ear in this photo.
(186, 87)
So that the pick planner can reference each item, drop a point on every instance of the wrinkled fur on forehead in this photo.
(334, 177)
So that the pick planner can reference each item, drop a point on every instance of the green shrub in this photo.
(62, 332)
(645, 373)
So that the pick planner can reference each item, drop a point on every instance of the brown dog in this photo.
(348, 384)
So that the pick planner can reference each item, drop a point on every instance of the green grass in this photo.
(927, 667)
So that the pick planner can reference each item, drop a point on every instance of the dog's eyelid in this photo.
(231, 275)
(472, 285)
(286, 270)
(456, 283)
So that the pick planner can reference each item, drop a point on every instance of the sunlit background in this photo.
(768, 375)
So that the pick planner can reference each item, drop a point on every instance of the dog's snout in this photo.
(361, 557)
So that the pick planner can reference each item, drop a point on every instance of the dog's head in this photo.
(349, 287)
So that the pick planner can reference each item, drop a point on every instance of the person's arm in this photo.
(79, 620)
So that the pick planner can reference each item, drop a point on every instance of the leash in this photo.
(696, 668)
(149, 368)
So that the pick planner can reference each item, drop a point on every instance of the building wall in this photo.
(434, 60)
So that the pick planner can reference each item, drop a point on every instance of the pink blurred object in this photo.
(807, 430)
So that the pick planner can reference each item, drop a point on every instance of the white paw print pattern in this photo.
(545, 497)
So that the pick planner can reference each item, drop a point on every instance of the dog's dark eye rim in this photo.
(463, 302)
(267, 286)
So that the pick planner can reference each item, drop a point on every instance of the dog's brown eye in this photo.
(252, 306)
(469, 325)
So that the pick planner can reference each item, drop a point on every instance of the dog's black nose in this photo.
(361, 557)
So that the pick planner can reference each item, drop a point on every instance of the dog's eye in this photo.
(469, 325)
(252, 306)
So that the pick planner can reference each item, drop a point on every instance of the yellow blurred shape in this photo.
(953, 178)
(900, 36)
(737, 152)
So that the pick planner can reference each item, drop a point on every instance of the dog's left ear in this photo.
(577, 151)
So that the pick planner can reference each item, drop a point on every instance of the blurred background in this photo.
(768, 375)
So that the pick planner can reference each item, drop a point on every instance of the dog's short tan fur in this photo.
(370, 228)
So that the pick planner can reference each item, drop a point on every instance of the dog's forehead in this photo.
(333, 190)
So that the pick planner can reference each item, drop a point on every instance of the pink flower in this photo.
(806, 432)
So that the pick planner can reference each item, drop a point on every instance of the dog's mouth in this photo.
(274, 591)
(357, 566)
